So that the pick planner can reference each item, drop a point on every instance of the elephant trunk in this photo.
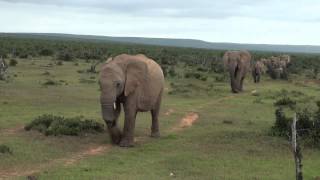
(234, 78)
(110, 114)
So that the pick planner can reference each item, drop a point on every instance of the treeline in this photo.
(71, 49)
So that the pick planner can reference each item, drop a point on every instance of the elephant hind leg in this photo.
(155, 121)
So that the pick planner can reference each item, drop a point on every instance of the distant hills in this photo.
(191, 43)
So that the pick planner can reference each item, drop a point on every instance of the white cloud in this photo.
(270, 21)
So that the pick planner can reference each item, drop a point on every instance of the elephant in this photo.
(257, 71)
(237, 63)
(277, 66)
(136, 82)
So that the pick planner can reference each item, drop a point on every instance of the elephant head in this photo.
(237, 63)
(119, 79)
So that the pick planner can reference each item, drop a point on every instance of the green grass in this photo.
(210, 149)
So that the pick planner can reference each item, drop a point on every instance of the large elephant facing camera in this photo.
(137, 83)
(237, 63)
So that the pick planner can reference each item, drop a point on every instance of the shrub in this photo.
(202, 69)
(23, 55)
(59, 125)
(165, 70)
(285, 101)
(65, 56)
(5, 149)
(196, 75)
(316, 132)
(80, 71)
(282, 123)
(46, 52)
(59, 63)
(46, 73)
(50, 82)
(304, 123)
(172, 72)
(308, 125)
(13, 62)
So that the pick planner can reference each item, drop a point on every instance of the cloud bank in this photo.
(241, 21)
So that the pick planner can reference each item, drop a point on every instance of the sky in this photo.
(294, 22)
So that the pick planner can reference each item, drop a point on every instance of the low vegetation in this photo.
(59, 125)
(13, 62)
(232, 131)
(308, 123)
(4, 149)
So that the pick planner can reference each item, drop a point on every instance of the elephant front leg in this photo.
(114, 133)
(128, 128)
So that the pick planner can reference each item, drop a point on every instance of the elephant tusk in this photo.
(114, 106)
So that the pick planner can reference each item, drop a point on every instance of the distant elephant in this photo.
(137, 83)
(277, 66)
(257, 71)
(237, 63)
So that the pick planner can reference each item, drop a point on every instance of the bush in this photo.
(46, 52)
(65, 56)
(282, 123)
(5, 149)
(308, 125)
(172, 72)
(13, 62)
(59, 125)
(202, 69)
(304, 123)
(46, 73)
(59, 63)
(164, 70)
(50, 82)
(285, 101)
(23, 56)
(80, 71)
(196, 75)
(316, 119)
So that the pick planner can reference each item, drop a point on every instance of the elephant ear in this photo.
(136, 77)
(137, 82)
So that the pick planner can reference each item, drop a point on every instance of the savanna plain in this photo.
(207, 132)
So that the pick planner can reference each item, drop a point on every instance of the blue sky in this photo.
(239, 21)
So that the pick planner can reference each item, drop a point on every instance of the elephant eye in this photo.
(117, 83)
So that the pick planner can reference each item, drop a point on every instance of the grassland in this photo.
(230, 140)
